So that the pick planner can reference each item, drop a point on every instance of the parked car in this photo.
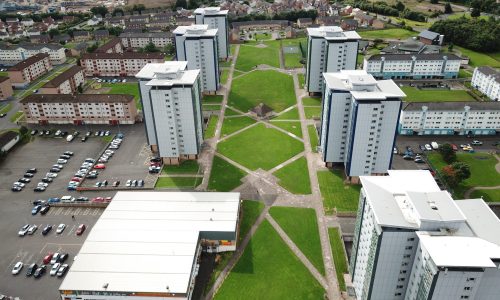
(421, 147)
(47, 179)
(62, 270)
(24, 230)
(100, 166)
(128, 183)
(116, 183)
(28, 175)
(84, 139)
(435, 145)
(36, 209)
(69, 153)
(60, 228)
(46, 229)
(48, 258)
(40, 271)
(24, 180)
(32, 229)
(476, 143)
(17, 268)
(82, 199)
(454, 147)
(39, 189)
(428, 147)
(55, 258)
(80, 229)
(62, 161)
(63, 257)
(54, 200)
(31, 269)
(45, 209)
(32, 170)
(140, 183)
(54, 269)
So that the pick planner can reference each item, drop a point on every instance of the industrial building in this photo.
(450, 118)
(329, 49)
(413, 66)
(215, 18)
(359, 122)
(197, 44)
(487, 81)
(171, 101)
(146, 245)
(413, 241)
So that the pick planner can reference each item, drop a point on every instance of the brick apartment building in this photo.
(24, 72)
(113, 46)
(140, 40)
(117, 64)
(65, 83)
(5, 88)
(79, 109)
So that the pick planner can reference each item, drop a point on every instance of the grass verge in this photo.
(186, 167)
(212, 124)
(337, 195)
(224, 177)
(295, 177)
(338, 255)
(178, 182)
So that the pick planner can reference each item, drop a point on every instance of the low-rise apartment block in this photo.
(113, 46)
(140, 40)
(413, 241)
(66, 82)
(79, 109)
(197, 45)
(450, 118)
(171, 102)
(487, 81)
(5, 88)
(117, 64)
(359, 122)
(29, 69)
(413, 66)
(12, 54)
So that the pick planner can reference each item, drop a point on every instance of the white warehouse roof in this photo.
(145, 242)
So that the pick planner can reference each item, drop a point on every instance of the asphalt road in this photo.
(15, 208)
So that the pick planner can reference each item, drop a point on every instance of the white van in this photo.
(434, 145)
(70, 137)
(68, 199)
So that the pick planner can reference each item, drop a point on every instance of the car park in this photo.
(62, 270)
(54, 269)
(46, 229)
(24, 230)
(80, 229)
(32, 229)
(40, 271)
(17, 268)
(60, 228)
(31, 269)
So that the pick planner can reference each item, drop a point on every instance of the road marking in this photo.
(71, 231)
(86, 212)
(77, 210)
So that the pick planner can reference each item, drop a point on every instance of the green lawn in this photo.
(15, 116)
(313, 136)
(212, 99)
(336, 194)
(478, 59)
(178, 182)
(292, 60)
(292, 127)
(260, 147)
(312, 112)
(225, 63)
(234, 124)
(338, 255)
(250, 211)
(292, 114)
(304, 234)
(211, 107)
(210, 130)
(125, 88)
(464, 74)
(393, 33)
(273, 88)
(230, 112)
(224, 176)
(488, 195)
(302, 80)
(360, 58)
(5, 108)
(311, 101)
(4, 74)
(224, 76)
(186, 167)
(268, 269)
(262, 36)
(416, 95)
(295, 177)
(414, 24)
(251, 55)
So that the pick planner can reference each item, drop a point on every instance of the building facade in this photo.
(487, 81)
(359, 122)
(215, 18)
(141, 40)
(450, 118)
(413, 241)
(5, 88)
(413, 66)
(113, 46)
(117, 64)
(329, 49)
(66, 82)
(79, 109)
(171, 102)
(24, 72)
(197, 45)
(13, 54)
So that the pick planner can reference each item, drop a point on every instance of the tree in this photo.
(399, 6)
(91, 48)
(117, 10)
(169, 49)
(447, 8)
(447, 153)
(138, 7)
(462, 170)
(151, 48)
(434, 1)
(450, 47)
(181, 3)
(455, 173)
(80, 89)
(53, 32)
(475, 13)
(99, 10)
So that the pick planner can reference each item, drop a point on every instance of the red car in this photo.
(77, 179)
(454, 147)
(80, 229)
(98, 199)
(100, 166)
(48, 258)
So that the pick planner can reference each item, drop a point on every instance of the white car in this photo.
(62, 161)
(428, 147)
(43, 184)
(32, 229)
(129, 183)
(24, 230)
(51, 175)
(54, 269)
(60, 228)
(20, 184)
(17, 268)
(55, 258)
(57, 166)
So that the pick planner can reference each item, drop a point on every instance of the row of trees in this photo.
(396, 10)
(476, 34)
(455, 172)
(290, 16)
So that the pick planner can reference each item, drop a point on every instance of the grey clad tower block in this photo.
(171, 101)
(215, 18)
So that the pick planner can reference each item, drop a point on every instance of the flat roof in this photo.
(332, 33)
(362, 85)
(195, 31)
(416, 56)
(481, 219)
(168, 73)
(211, 11)
(459, 251)
(77, 98)
(147, 241)
(452, 106)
